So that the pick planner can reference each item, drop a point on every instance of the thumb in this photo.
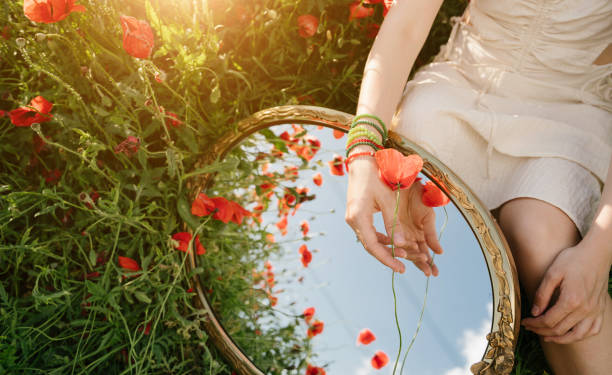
(545, 291)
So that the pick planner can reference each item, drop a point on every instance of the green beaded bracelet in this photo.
(370, 123)
(348, 150)
(382, 124)
(362, 132)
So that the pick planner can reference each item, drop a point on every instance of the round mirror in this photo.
(318, 302)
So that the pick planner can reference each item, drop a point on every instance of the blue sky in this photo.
(351, 290)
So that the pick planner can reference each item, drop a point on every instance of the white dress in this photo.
(515, 106)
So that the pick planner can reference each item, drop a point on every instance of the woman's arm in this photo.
(397, 45)
(399, 40)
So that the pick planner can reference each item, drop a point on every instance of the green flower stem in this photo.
(424, 299)
(399, 331)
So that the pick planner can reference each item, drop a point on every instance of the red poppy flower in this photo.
(224, 209)
(305, 227)
(433, 195)
(397, 170)
(315, 329)
(173, 120)
(128, 264)
(202, 205)
(317, 179)
(147, 329)
(91, 275)
(285, 136)
(365, 337)
(336, 166)
(53, 176)
(282, 225)
(137, 37)
(338, 134)
(308, 314)
(270, 238)
(238, 212)
(372, 30)
(268, 185)
(313, 370)
(314, 142)
(128, 147)
(306, 255)
(308, 25)
(184, 238)
(305, 152)
(357, 10)
(380, 360)
(273, 300)
(36, 112)
(5, 34)
(49, 11)
(387, 5)
(2, 112)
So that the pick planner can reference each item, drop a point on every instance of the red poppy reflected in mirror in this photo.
(316, 301)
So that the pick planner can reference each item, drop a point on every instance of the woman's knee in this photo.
(536, 232)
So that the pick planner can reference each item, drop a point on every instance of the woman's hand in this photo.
(414, 225)
(582, 279)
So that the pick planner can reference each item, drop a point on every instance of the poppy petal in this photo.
(380, 360)
(365, 337)
(397, 170)
(433, 195)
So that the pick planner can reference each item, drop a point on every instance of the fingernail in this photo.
(535, 310)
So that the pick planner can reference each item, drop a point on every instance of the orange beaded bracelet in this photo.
(355, 155)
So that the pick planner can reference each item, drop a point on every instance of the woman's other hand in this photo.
(582, 280)
(415, 230)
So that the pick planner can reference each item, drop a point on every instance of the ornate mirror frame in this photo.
(499, 355)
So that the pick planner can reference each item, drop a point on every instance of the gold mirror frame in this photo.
(499, 354)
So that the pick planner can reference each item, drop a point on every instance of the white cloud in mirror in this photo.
(473, 344)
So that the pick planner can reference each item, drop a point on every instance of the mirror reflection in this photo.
(317, 299)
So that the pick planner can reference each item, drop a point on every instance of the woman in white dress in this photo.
(519, 105)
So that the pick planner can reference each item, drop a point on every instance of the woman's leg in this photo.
(536, 232)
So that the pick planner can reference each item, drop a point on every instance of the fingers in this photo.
(409, 254)
(363, 227)
(431, 237)
(579, 332)
(393, 225)
(559, 329)
(544, 293)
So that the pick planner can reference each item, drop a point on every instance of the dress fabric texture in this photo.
(514, 105)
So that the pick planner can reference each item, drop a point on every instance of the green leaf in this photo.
(93, 257)
(184, 210)
(215, 94)
(142, 297)
(171, 159)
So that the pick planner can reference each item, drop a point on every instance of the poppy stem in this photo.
(399, 331)
(425, 298)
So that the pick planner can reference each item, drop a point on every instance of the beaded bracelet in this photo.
(359, 143)
(361, 132)
(374, 125)
(382, 124)
(356, 155)
(363, 141)
(374, 144)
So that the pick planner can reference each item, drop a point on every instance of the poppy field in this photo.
(106, 107)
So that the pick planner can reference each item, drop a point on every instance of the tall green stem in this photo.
(399, 331)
